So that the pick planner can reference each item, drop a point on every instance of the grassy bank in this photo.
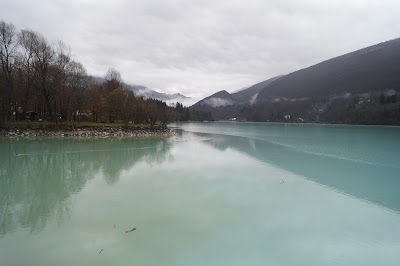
(35, 124)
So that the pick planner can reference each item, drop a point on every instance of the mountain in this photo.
(369, 69)
(149, 93)
(224, 105)
(361, 87)
(244, 96)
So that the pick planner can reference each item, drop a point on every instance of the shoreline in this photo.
(86, 132)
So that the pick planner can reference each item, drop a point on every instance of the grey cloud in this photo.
(217, 102)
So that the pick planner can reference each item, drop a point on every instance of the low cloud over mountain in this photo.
(359, 87)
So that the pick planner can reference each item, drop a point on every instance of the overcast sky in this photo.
(200, 47)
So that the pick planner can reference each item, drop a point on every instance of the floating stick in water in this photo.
(101, 251)
(133, 229)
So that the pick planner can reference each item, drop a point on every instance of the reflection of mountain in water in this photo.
(372, 182)
(37, 177)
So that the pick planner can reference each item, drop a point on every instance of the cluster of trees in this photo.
(371, 108)
(386, 99)
(191, 114)
(376, 110)
(110, 101)
(42, 78)
(37, 75)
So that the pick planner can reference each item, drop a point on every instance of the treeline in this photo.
(381, 107)
(41, 80)
(375, 109)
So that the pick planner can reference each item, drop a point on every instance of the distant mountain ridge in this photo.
(371, 68)
(224, 98)
(149, 93)
(360, 87)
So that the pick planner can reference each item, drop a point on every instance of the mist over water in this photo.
(215, 194)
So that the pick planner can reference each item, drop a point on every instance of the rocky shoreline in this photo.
(15, 132)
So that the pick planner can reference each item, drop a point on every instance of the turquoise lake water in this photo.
(214, 194)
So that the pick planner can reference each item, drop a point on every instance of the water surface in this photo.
(215, 194)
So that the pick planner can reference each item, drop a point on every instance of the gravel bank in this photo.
(87, 132)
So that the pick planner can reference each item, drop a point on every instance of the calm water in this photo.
(215, 194)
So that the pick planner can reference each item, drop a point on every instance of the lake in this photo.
(222, 193)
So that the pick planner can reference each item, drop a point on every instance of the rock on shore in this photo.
(88, 132)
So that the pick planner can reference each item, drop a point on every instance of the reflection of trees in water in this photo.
(37, 177)
(375, 183)
(125, 154)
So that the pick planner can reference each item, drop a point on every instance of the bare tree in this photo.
(45, 69)
(8, 53)
(31, 97)
(113, 75)
(77, 81)
(59, 79)
(113, 80)
(95, 100)
(38, 57)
